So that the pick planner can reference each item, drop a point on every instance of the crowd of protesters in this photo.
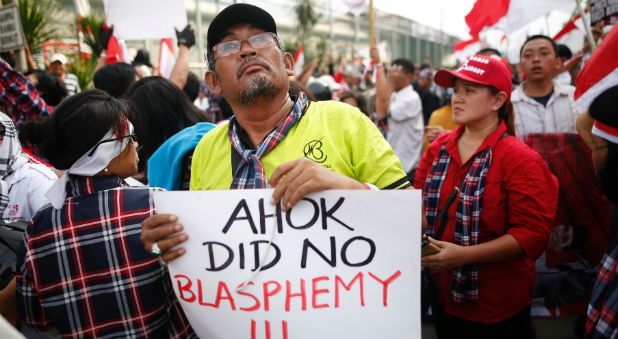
(90, 266)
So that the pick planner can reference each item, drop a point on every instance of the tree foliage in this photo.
(307, 17)
(89, 27)
(37, 21)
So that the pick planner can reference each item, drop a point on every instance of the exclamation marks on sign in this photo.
(284, 329)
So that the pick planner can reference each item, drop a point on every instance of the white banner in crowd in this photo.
(11, 33)
(340, 264)
(145, 19)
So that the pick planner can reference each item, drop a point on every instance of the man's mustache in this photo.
(252, 60)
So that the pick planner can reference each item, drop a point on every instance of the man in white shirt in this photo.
(58, 67)
(540, 104)
(397, 100)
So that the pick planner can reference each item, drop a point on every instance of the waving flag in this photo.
(299, 60)
(572, 34)
(599, 73)
(116, 51)
(166, 58)
(465, 49)
(510, 15)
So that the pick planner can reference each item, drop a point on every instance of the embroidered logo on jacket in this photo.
(313, 151)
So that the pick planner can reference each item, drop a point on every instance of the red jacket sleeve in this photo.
(532, 198)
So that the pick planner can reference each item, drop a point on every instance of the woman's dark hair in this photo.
(159, 110)
(296, 87)
(192, 87)
(51, 88)
(608, 177)
(76, 125)
(115, 79)
(225, 110)
(319, 91)
(604, 109)
(360, 100)
(505, 113)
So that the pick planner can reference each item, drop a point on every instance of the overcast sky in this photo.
(450, 14)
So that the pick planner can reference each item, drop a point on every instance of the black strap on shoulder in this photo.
(236, 159)
(442, 215)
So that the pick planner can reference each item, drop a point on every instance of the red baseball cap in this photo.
(480, 69)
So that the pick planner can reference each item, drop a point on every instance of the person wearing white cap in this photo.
(82, 268)
(58, 66)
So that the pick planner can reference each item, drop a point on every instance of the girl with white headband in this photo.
(83, 269)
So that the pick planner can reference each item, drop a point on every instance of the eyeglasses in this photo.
(132, 136)
(261, 40)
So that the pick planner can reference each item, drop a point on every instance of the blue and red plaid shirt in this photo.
(602, 319)
(18, 92)
(84, 270)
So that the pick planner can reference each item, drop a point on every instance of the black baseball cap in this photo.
(238, 14)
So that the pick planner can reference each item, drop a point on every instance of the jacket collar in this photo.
(78, 185)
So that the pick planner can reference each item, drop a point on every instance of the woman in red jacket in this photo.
(490, 202)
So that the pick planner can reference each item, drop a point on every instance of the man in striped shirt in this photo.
(540, 104)
(58, 66)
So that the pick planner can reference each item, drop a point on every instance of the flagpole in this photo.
(593, 43)
(371, 24)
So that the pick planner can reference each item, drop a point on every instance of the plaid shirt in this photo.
(84, 270)
(602, 319)
(467, 219)
(250, 172)
(19, 93)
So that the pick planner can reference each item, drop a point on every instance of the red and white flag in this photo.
(116, 51)
(599, 73)
(572, 34)
(465, 49)
(166, 58)
(510, 15)
(299, 60)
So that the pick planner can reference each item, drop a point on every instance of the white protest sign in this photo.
(145, 19)
(342, 264)
(11, 33)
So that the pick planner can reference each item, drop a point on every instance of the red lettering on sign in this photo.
(200, 295)
(338, 281)
(317, 291)
(269, 293)
(256, 301)
(289, 295)
(185, 288)
(385, 284)
(223, 288)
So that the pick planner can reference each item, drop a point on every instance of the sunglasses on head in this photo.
(132, 136)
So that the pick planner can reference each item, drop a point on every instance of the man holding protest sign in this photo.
(302, 146)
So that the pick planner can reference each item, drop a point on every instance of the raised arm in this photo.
(383, 88)
(186, 39)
